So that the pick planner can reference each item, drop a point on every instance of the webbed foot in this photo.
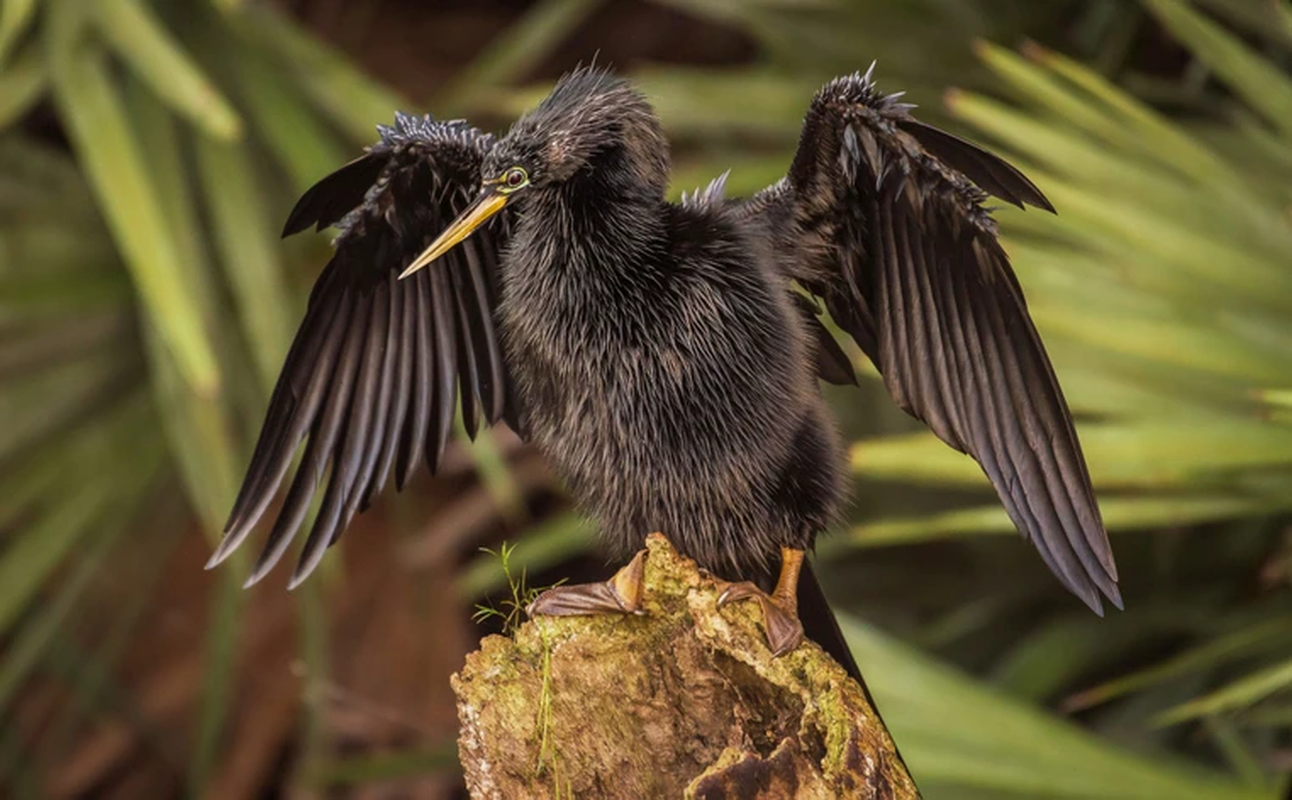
(621, 594)
(780, 608)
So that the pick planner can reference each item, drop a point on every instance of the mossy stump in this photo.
(683, 701)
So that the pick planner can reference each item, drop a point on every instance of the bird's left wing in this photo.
(374, 376)
(882, 217)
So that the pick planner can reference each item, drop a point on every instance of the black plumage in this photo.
(372, 379)
(659, 354)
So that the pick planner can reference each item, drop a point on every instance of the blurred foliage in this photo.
(147, 150)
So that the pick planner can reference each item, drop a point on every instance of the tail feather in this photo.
(821, 626)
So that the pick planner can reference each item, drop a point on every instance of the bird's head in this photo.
(594, 134)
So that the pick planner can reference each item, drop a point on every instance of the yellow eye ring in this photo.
(513, 179)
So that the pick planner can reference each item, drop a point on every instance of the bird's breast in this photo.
(640, 384)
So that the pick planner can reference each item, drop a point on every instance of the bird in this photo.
(667, 357)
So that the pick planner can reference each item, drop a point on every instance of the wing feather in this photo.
(322, 439)
(396, 389)
(911, 267)
(832, 362)
(991, 174)
(377, 396)
(413, 445)
(373, 377)
(479, 307)
(327, 201)
(469, 374)
(443, 323)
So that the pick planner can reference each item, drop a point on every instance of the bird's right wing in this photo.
(882, 217)
(377, 368)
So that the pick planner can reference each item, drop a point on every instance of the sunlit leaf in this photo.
(91, 491)
(1260, 83)
(1262, 636)
(15, 16)
(106, 146)
(93, 686)
(29, 645)
(1044, 89)
(1119, 514)
(291, 131)
(1152, 454)
(354, 101)
(1238, 694)
(139, 38)
(954, 731)
(22, 85)
(54, 398)
(1160, 138)
(250, 252)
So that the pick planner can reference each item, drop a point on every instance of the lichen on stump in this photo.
(684, 700)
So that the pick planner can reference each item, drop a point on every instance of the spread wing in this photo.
(882, 218)
(374, 376)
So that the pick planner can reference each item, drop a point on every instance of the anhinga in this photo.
(659, 353)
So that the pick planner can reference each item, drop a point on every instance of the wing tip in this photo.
(217, 558)
(296, 222)
(309, 562)
(986, 170)
(1114, 595)
(233, 538)
(264, 565)
(1039, 200)
(1095, 591)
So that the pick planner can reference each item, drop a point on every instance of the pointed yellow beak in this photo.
(490, 202)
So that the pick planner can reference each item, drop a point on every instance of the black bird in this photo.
(665, 357)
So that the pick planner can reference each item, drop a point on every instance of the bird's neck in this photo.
(594, 231)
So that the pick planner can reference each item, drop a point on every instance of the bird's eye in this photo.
(514, 179)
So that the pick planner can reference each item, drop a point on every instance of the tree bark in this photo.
(683, 700)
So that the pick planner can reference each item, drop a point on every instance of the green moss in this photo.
(648, 705)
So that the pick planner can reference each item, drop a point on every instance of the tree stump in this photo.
(682, 701)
